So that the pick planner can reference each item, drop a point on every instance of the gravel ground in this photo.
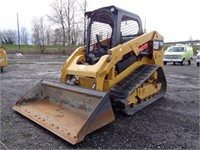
(170, 123)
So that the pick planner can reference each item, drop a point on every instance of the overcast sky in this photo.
(176, 20)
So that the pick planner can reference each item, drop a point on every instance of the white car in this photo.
(198, 58)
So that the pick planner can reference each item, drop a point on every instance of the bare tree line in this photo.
(68, 17)
(10, 36)
(64, 26)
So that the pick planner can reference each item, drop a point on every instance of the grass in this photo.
(12, 47)
(49, 49)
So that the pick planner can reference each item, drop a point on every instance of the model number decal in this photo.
(157, 45)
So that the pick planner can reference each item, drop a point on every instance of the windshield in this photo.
(99, 30)
(176, 49)
(99, 35)
(103, 30)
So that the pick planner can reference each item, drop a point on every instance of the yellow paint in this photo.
(3, 58)
(87, 82)
(103, 73)
(147, 90)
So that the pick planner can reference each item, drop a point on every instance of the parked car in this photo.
(178, 54)
(198, 58)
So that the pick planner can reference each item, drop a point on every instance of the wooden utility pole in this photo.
(145, 25)
(18, 31)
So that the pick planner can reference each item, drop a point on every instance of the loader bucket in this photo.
(68, 111)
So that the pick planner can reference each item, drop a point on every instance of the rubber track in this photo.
(120, 93)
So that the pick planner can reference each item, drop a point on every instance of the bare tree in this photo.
(63, 12)
(38, 36)
(58, 17)
(57, 40)
(83, 7)
(49, 36)
(8, 36)
(77, 34)
(24, 36)
(70, 13)
(11, 34)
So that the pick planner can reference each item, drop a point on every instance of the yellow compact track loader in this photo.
(3, 59)
(119, 68)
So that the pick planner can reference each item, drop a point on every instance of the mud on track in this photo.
(171, 122)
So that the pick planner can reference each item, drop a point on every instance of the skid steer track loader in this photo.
(3, 59)
(120, 68)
